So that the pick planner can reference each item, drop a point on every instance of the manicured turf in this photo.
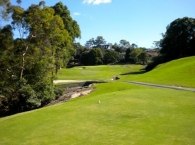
(102, 72)
(179, 72)
(127, 114)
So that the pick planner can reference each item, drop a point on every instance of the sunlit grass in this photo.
(179, 72)
(127, 114)
(101, 72)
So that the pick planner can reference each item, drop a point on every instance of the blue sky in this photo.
(137, 21)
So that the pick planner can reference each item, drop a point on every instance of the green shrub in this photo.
(59, 90)
(155, 61)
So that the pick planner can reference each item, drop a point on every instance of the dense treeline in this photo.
(29, 61)
(98, 56)
(97, 52)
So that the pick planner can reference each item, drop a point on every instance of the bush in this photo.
(155, 61)
(59, 90)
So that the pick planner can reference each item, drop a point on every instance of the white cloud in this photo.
(96, 2)
(77, 14)
(88, 1)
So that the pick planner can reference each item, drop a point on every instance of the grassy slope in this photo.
(179, 72)
(102, 72)
(127, 114)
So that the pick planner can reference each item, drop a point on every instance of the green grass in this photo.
(102, 72)
(128, 114)
(179, 72)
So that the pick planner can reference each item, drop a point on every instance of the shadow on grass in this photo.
(141, 71)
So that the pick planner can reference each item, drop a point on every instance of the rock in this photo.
(115, 78)
(75, 95)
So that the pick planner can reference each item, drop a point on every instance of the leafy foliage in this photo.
(127, 53)
(95, 42)
(111, 56)
(70, 25)
(92, 57)
(84, 58)
(124, 43)
(179, 39)
(28, 63)
(96, 56)
(99, 41)
(143, 57)
(177, 42)
(5, 5)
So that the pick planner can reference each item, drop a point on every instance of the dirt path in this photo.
(163, 86)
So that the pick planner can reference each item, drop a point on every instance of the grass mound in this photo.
(126, 114)
(179, 72)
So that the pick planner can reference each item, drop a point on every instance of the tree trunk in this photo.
(23, 63)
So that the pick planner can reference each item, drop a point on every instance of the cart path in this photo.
(69, 81)
(136, 83)
(162, 86)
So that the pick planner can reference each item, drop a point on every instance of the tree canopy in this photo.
(28, 63)
(4, 9)
(70, 25)
(124, 43)
(95, 42)
(179, 39)
(111, 56)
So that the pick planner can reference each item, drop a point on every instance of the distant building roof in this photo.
(105, 46)
(151, 52)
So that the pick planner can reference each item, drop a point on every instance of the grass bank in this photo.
(180, 72)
